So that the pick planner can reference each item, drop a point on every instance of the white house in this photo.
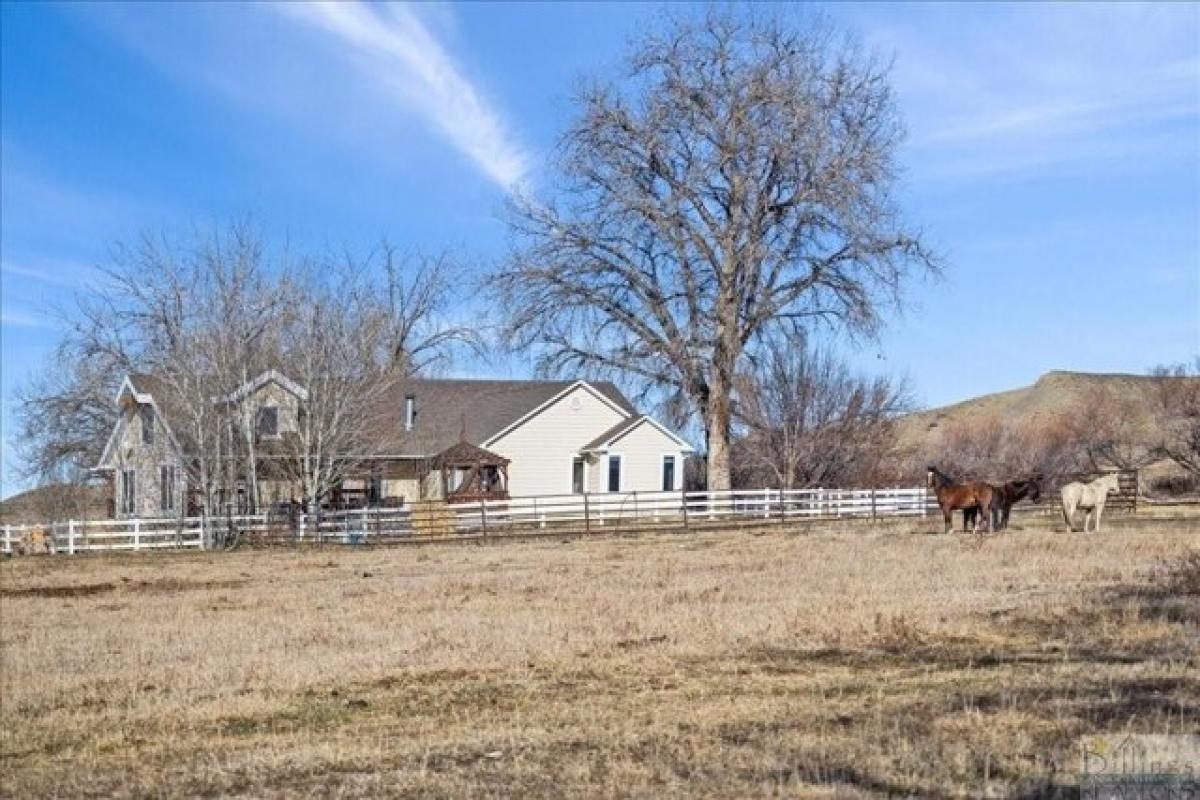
(437, 438)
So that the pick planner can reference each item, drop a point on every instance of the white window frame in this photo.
(620, 457)
(571, 475)
(662, 463)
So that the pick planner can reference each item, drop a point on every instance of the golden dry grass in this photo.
(824, 664)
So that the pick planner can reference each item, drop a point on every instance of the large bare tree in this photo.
(810, 420)
(742, 174)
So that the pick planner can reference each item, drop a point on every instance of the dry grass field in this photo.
(824, 664)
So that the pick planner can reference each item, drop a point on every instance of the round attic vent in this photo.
(576, 403)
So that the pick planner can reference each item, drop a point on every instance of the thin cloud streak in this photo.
(403, 57)
(19, 319)
(1089, 87)
(55, 274)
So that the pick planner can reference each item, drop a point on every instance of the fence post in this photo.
(587, 515)
(7, 538)
(483, 515)
(71, 537)
(872, 505)
(683, 496)
(137, 533)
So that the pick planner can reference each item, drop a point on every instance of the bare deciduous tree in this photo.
(204, 318)
(1178, 414)
(991, 447)
(812, 422)
(1112, 429)
(746, 176)
(352, 330)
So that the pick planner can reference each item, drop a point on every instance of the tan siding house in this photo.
(544, 447)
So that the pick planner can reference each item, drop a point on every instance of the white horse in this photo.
(1089, 497)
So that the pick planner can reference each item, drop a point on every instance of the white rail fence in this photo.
(574, 513)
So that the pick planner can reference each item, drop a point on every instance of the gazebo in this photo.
(470, 473)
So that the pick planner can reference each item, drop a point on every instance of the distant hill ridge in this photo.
(1054, 393)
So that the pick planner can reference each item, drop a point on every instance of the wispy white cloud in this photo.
(396, 50)
(1012, 90)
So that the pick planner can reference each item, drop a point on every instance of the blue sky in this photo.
(1053, 156)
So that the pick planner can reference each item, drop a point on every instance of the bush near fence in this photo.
(521, 516)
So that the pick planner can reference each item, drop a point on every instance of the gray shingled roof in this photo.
(447, 409)
(450, 409)
(612, 433)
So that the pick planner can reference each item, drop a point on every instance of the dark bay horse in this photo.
(1006, 496)
(952, 496)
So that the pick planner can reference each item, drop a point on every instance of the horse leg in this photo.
(968, 518)
(948, 515)
(1068, 512)
(1099, 513)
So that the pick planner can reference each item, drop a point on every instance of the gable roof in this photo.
(448, 410)
(145, 390)
(625, 426)
(269, 376)
(466, 453)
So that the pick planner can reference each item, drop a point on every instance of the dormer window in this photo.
(268, 421)
(146, 415)
(410, 412)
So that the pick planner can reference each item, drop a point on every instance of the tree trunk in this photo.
(718, 444)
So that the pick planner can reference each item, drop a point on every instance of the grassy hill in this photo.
(56, 501)
(1063, 423)
(1054, 394)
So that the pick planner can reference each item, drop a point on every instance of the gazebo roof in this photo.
(465, 454)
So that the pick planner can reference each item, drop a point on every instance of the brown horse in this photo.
(1006, 496)
(952, 496)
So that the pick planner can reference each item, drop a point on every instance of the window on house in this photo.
(128, 491)
(166, 487)
(668, 474)
(268, 421)
(146, 413)
(577, 475)
(614, 473)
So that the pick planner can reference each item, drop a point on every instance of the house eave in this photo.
(551, 402)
